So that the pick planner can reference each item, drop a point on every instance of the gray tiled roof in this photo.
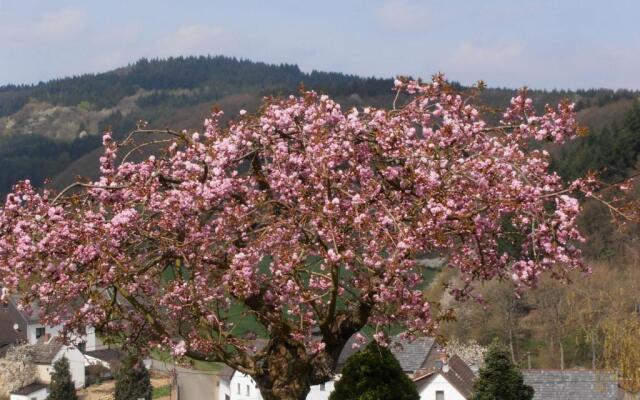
(458, 374)
(8, 335)
(44, 353)
(107, 355)
(571, 384)
(410, 355)
(29, 389)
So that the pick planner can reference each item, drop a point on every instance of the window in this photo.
(439, 395)
(248, 390)
(239, 390)
(322, 387)
(227, 397)
(39, 332)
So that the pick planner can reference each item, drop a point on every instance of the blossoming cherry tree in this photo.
(304, 218)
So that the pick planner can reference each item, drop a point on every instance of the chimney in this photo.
(443, 362)
(47, 337)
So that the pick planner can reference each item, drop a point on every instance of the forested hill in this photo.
(52, 129)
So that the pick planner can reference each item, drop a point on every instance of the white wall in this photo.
(76, 366)
(243, 387)
(53, 331)
(38, 395)
(31, 331)
(318, 392)
(90, 339)
(223, 389)
(428, 391)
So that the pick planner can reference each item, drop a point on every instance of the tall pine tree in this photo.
(500, 379)
(133, 381)
(61, 386)
(374, 374)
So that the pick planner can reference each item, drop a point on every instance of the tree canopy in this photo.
(499, 378)
(133, 381)
(374, 374)
(61, 386)
(303, 218)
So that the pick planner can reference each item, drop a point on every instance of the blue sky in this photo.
(542, 44)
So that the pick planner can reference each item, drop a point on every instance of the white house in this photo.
(450, 379)
(35, 391)
(242, 387)
(20, 327)
(322, 392)
(234, 385)
(46, 354)
(414, 357)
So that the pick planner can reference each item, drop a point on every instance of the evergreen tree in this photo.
(133, 381)
(374, 374)
(500, 379)
(61, 386)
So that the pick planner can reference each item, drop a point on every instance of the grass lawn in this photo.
(164, 356)
(162, 391)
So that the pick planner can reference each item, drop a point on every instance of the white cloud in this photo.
(63, 22)
(493, 61)
(198, 39)
(403, 15)
(55, 25)
(483, 53)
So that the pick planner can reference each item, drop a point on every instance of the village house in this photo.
(46, 354)
(21, 328)
(572, 384)
(35, 391)
(439, 377)
(451, 379)
(417, 359)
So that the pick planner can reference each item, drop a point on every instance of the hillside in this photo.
(52, 129)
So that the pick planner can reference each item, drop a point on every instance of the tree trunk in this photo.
(511, 350)
(561, 355)
(593, 353)
(287, 372)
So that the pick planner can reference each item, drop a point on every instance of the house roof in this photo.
(44, 353)
(27, 390)
(412, 356)
(107, 355)
(226, 372)
(32, 317)
(8, 335)
(458, 374)
(572, 384)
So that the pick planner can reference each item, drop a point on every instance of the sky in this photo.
(559, 44)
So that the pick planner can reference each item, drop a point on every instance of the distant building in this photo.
(451, 379)
(570, 384)
(19, 328)
(35, 391)
(45, 356)
(414, 357)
